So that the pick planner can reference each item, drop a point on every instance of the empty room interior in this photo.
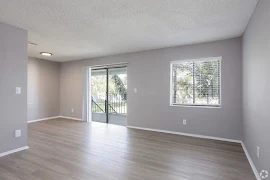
(134, 90)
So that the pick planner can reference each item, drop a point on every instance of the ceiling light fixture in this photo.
(46, 54)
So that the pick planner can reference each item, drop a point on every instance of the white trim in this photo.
(251, 162)
(56, 117)
(70, 118)
(196, 106)
(44, 119)
(13, 151)
(108, 65)
(196, 60)
(187, 134)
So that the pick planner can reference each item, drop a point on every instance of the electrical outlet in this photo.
(18, 133)
(18, 90)
(72, 110)
(184, 121)
(258, 151)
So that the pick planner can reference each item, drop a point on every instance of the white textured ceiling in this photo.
(78, 29)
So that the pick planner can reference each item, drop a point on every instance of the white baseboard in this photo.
(13, 151)
(64, 117)
(251, 162)
(44, 119)
(71, 118)
(207, 137)
(186, 134)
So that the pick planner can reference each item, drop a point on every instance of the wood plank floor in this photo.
(71, 150)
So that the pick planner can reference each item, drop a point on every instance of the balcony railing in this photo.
(115, 105)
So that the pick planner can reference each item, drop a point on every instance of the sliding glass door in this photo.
(109, 95)
(98, 95)
(117, 96)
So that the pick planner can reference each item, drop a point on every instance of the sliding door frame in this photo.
(107, 86)
(107, 96)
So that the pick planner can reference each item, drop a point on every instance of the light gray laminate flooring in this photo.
(63, 149)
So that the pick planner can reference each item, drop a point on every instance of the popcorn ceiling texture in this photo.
(78, 29)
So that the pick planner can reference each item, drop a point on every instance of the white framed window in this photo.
(196, 82)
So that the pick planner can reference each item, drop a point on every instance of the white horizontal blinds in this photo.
(196, 82)
(183, 83)
(207, 82)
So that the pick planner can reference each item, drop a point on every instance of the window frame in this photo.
(195, 105)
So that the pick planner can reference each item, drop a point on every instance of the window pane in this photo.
(183, 83)
(207, 82)
(196, 82)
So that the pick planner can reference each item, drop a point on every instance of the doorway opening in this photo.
(109, 95)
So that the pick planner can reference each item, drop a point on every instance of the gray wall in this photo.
(256, 86)
(13, 73)
(43, 89)
(148, 71)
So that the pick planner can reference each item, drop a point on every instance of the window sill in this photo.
(196, 106)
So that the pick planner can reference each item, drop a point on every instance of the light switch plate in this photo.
(18, 90)
(18, 133)
(135, 90)
(184, 121)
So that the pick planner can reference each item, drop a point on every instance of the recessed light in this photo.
(46, 54)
